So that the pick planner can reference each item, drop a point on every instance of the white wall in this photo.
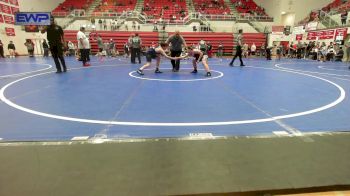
(21, 36)
(288, 19)
(301, 8)
(38, 5)
(231, 27)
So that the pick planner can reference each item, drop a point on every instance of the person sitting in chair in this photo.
(340, 54)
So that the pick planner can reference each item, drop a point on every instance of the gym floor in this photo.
(110, 100)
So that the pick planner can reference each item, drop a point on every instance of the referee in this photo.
(177, 42)
(55, 36)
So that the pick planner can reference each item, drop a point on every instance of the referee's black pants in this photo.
(57, 54)
(175, 64)
(234, 58)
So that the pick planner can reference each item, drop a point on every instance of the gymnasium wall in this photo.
(301, 8)
(21, 36)
(38, 5)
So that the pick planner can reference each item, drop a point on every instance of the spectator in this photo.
(12, 49)
(253, 49)
(209, 49)
(268, 53)
(30, 47)
(100, 23)
(1, 49)
(126, 50)
(100, 46)
(71, 48)
(262, 50)
(279, 50)
(111, 48)
(344, 17)
(46, 48)
(220, 50)
(340, 54)
(245, 50)
(105, 24)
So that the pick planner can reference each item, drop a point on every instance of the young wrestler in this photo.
(198, 56)
(155, 53)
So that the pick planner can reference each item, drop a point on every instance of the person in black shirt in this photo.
(1, 49)
(177, 42)
(12, 49)
(55, 36)
(268, 53)
(46, 48)
(238, 54)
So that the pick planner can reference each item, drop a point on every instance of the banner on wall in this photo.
(299, 37)
(1, 19)
(312, 35)
(5, 9)
(277, 30)
(299, 30)
(311, 26)
(10, 31)
(32, 18)
(340, 34)
(326, 34)
(9, 19)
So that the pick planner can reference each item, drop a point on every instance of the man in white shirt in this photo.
(83, 46)
(253, 49)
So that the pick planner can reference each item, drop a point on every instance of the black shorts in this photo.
(149, 58)
(197, 58)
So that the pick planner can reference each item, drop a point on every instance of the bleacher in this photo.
(337, 6)
(164, 9)
(214, 38)
(333, 8)
(217, 7)
(149, 38)
(113, 6)
(67, 6)
(258, 39)
(333, 5)
(120, 38)
(249, 7)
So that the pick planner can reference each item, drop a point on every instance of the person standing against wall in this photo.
(12, 49)
(55, 36)
(177, 42)
(1, 49)
(71, 48)
(46, 48)
(30, 47)
(220, 51)
(101, 46)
